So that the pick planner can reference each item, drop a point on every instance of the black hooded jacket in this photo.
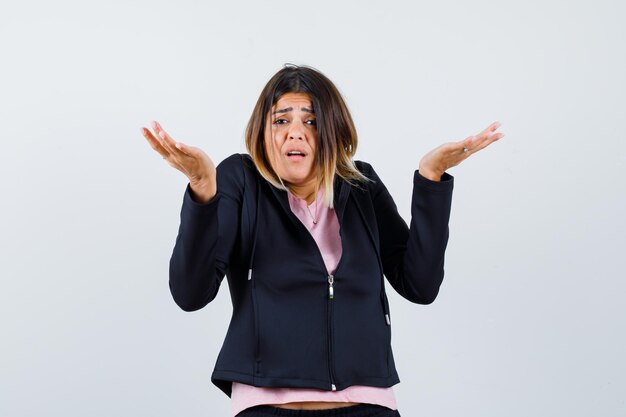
(286, 329)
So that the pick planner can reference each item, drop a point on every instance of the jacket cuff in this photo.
(190, 204)
(444, 186)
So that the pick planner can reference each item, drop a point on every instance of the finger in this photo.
(179, 151)
(154, 142)
(185, 162)
(488, 141)
(167, 141)
(187, 150)
(491, 128)
(161, 135)
(190, 151)
(467, 145)
(486, 134)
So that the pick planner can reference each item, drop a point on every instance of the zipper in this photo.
(331, 280)
(331, 295)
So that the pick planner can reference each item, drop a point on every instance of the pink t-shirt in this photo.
(326, 234)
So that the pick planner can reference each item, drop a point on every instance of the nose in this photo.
(296, 130)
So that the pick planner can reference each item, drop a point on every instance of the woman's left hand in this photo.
(436, 162)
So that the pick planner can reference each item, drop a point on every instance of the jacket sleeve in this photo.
(413, 258)
(206, 237)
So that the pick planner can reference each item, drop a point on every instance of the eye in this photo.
(280, 121)
(311, 122)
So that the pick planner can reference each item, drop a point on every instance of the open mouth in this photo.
(296, 155)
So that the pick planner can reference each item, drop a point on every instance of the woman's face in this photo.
(291, 139)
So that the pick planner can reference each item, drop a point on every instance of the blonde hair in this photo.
(336, 135)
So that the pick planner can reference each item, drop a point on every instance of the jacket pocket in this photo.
(291, 334)
(257, 336)
(362, 339)
(387, 314)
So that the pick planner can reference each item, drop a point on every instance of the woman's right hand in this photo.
(189, 160)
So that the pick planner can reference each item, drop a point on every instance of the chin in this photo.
(296, 179)
(295, 176)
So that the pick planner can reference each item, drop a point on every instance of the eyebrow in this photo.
(288, 109)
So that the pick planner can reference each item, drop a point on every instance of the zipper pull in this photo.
(249, 274)
(333, 387)
(388, 319)
(331, 293)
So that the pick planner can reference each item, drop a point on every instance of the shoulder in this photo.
(367, 169)
(237, 162)
(231, 173)
(233, 162)
(362, 166)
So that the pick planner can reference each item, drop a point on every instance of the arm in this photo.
(209, 219)
(206, 238)
(413, 258)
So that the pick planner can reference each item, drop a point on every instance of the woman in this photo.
(306, 237)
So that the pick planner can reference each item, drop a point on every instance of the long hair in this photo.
(336, 134)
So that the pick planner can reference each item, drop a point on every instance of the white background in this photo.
(531, 317)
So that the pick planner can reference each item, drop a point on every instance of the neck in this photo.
(307, 192)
